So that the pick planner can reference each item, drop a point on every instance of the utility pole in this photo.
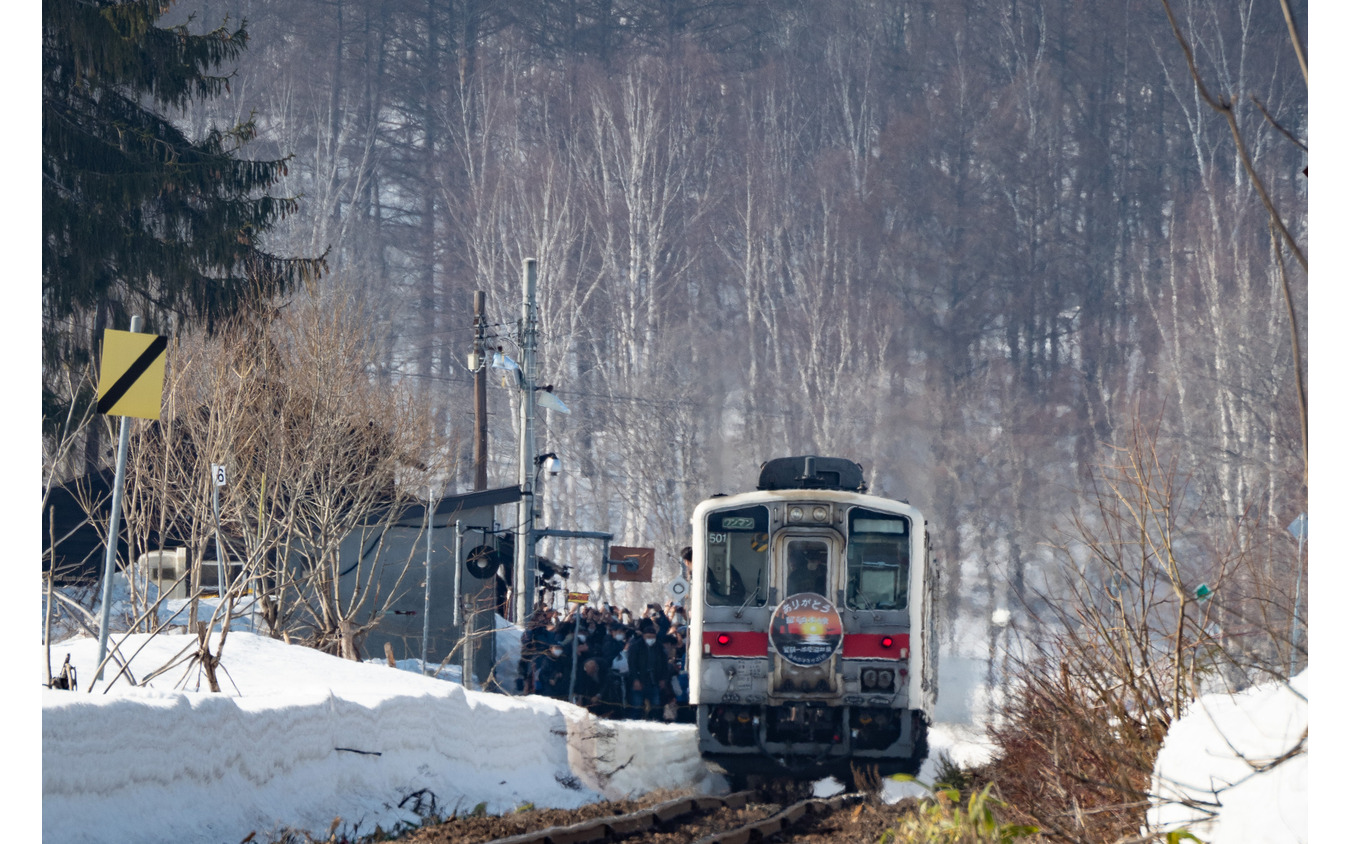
(479, 395)
(524, 566)
(477, 637)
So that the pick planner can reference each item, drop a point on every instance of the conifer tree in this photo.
(135, 214)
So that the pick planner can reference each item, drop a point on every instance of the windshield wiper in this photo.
(751, 596)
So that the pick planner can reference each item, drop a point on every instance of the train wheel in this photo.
(784, 789)
(914, 763)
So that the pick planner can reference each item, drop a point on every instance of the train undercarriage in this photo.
(811, 739)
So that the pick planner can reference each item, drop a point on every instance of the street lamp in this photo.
(547, 463)
(546, 399)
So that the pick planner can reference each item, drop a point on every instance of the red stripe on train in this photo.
(876, 646)
(746, 643)
(735, 643)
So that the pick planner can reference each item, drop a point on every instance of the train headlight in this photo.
(885, 679)
(795, 514)
(820, 514)
(869, 678)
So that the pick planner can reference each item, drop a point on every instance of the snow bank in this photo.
(299, 738)
(1212, 767)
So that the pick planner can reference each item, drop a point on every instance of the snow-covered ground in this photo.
(301, 738)
(298, 739)
(1234, 766)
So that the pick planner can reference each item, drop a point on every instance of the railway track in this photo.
(737, 818)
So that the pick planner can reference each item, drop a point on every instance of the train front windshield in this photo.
(738, 556)
(878, 560)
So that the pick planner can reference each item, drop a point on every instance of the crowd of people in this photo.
(625, 666)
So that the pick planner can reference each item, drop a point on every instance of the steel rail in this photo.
(602, 829)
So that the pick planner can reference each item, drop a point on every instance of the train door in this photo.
(806, 631)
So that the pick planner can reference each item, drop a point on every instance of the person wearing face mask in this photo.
(648, 672)
(585, 644)
(613, 659)
(615, 640)
(554, 672)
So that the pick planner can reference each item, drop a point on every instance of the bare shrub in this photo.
(1131, 640)
(322, 456)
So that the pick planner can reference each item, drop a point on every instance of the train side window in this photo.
(737, 555)
(878, 561)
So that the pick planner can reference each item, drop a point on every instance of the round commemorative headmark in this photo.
(806, 629)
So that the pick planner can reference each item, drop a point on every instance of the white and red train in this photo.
(812, 638)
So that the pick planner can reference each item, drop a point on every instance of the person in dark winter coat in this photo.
(590, 689)
(648, 674)
(553, 672)
(533, 643)
(615, 644)
(587, 644)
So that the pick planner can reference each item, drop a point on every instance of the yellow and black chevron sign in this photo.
(131, 377)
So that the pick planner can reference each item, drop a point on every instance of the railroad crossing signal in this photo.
(131, 375)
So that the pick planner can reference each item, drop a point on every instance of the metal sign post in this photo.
(218, 481)
(456, 616)
(426, 590)
(114, 521)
